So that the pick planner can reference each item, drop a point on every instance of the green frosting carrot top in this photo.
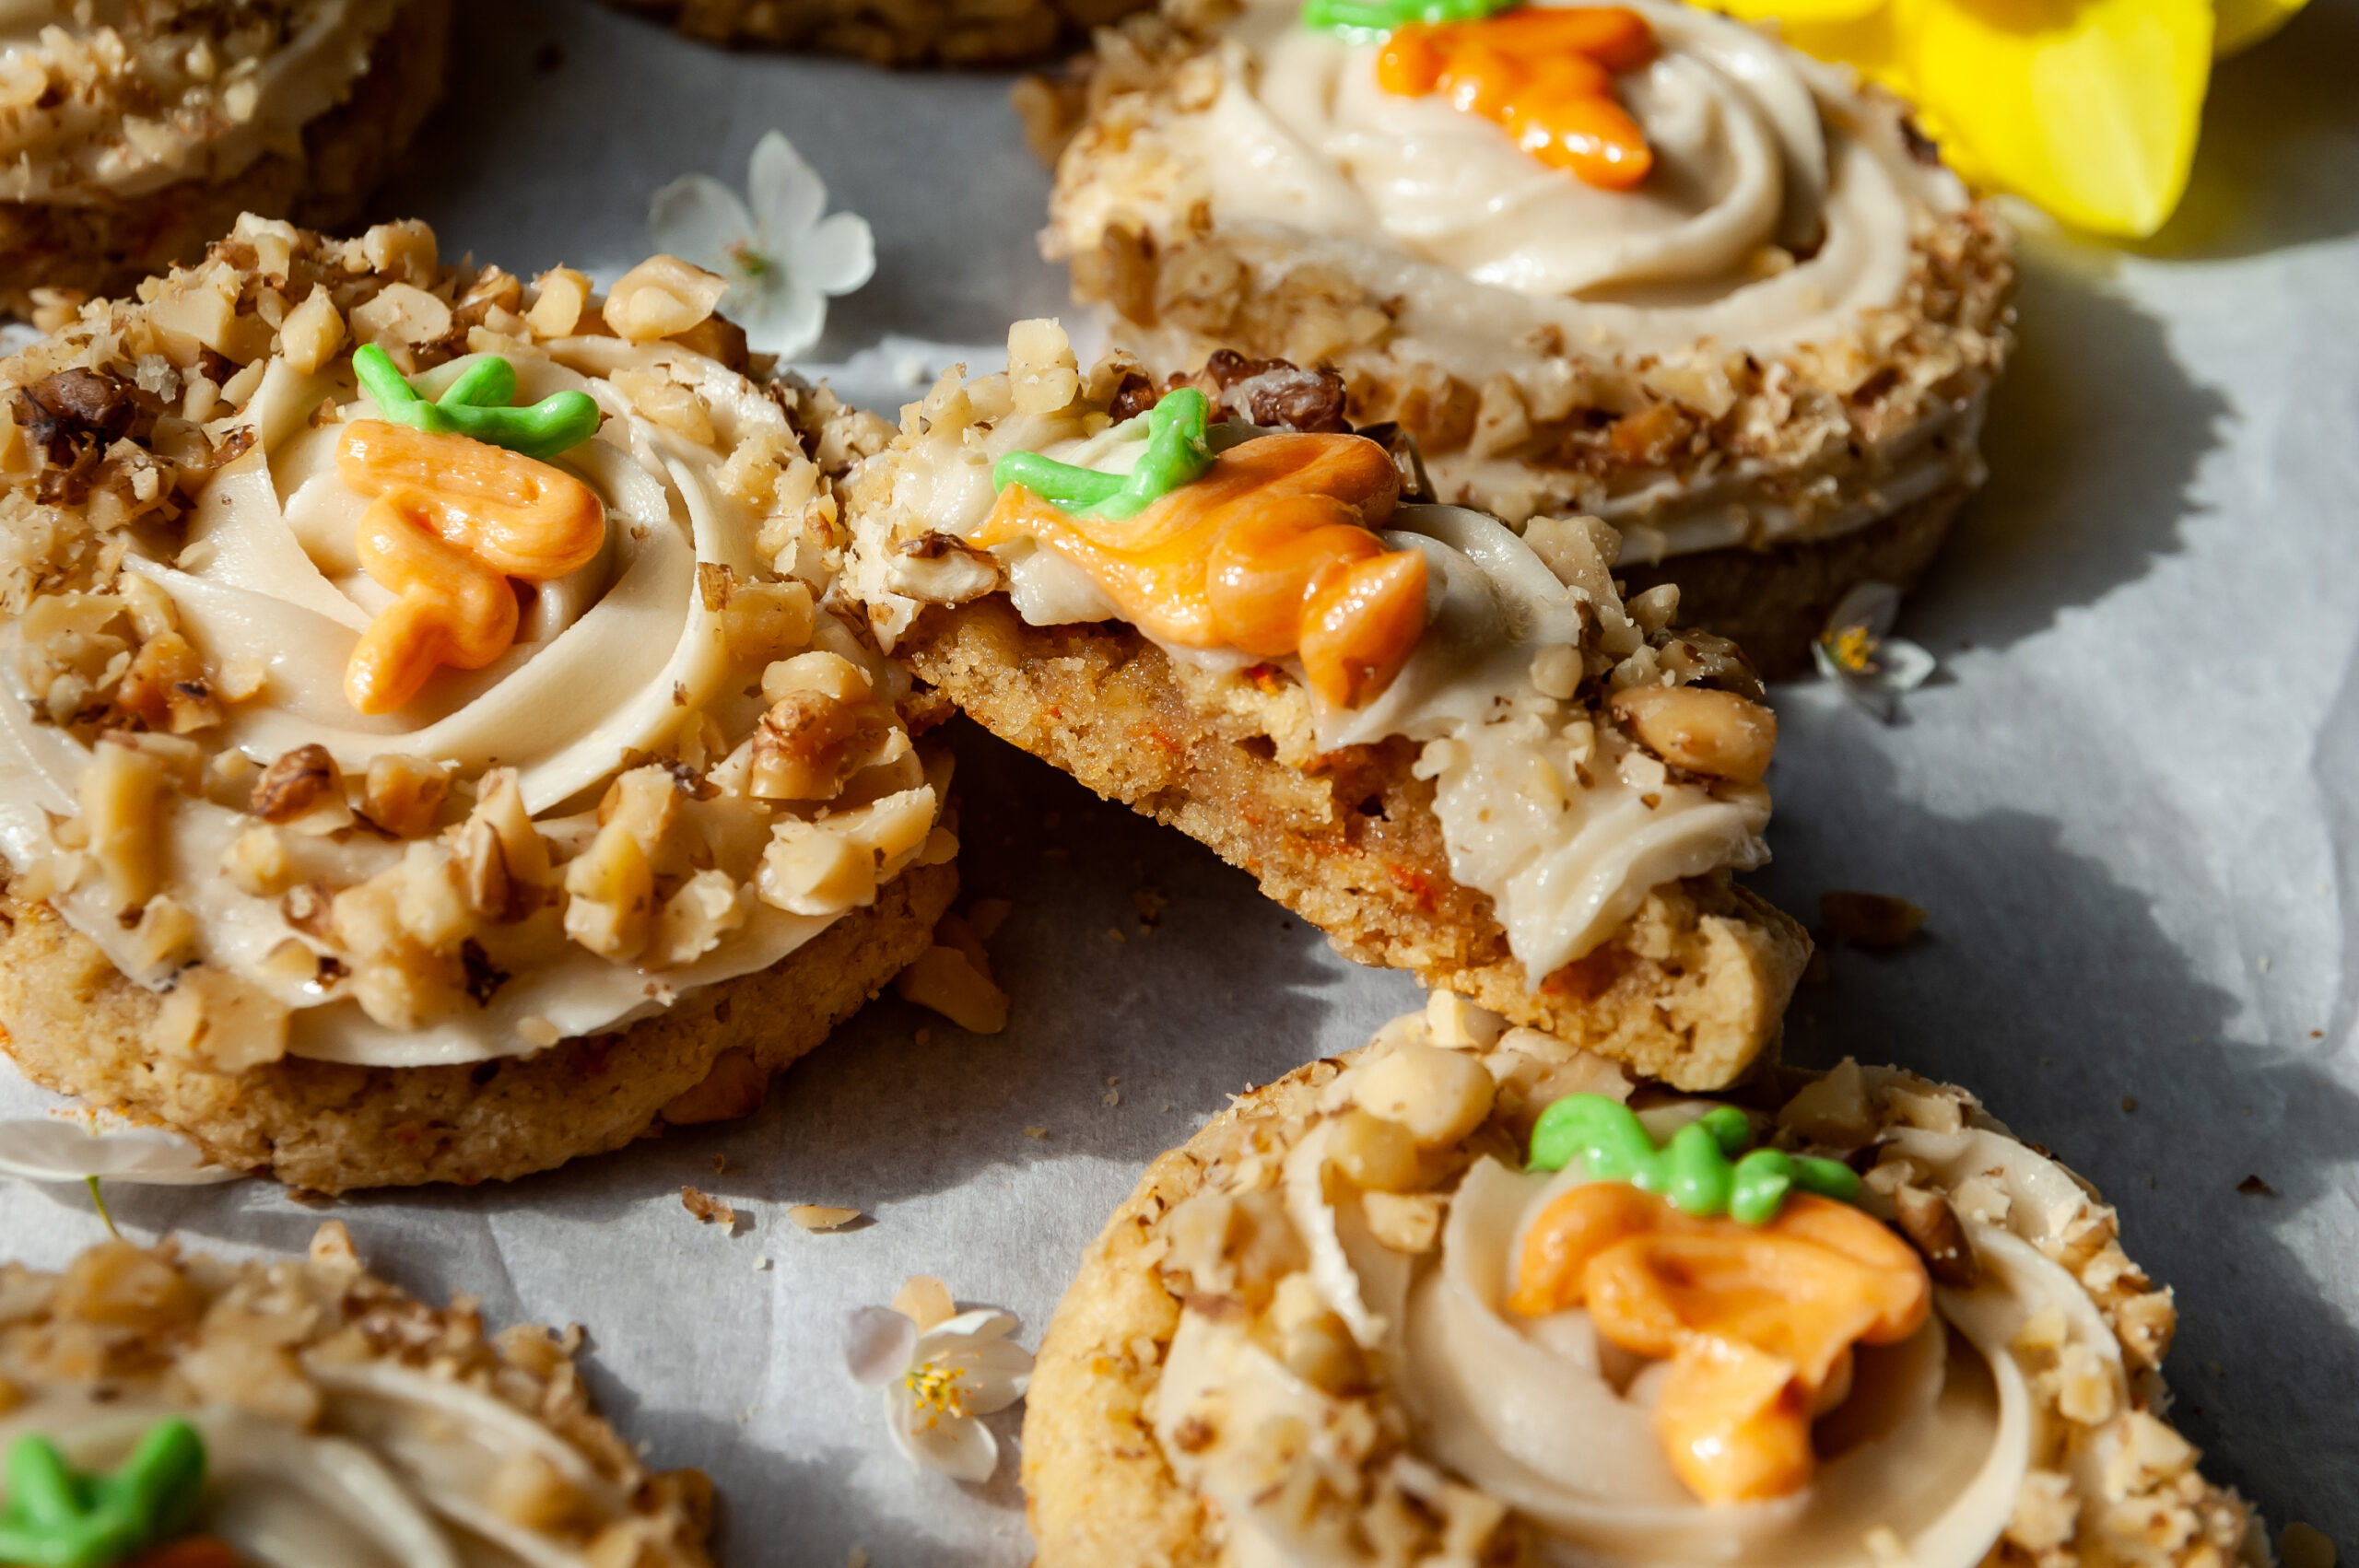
(1178, 451)
(56, 1517)
(1693, 1170)
(1384, 16)
(477, 406)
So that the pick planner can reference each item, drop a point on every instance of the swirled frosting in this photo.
(1779, 208)
(109, 101)
(2014, 1397)
(343, 1425)
(636, 667)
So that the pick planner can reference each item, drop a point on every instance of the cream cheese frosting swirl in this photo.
(1779, 208)
(638, 692)
(118, 98)
(343, 1424)
(2014, 1398)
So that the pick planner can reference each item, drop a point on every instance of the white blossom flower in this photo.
(783, 259)
(1857, 652)
(939, 1368)
(57, 1150)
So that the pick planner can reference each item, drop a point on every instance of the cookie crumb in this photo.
(2305, 1546)
(1115, 933)
(1150, 903)
(2129, 1103)
(821, 1216)
(720, 1163)
(1113, 1097)
(709, 1210)
(1037, 1134)
(1876, 921)
(761, 1263)
(2253, 1187)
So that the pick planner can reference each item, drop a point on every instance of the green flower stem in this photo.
(476, 405)
(56, 1518)
(1178, 449)
(1693, 1170)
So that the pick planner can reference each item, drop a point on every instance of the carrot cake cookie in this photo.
(1473, 1296)
(1638, 261)
(424, 753)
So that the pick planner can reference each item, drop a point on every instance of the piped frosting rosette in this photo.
(1469, 1292)
(1640, 262)
(302, 1414)
(670, 766)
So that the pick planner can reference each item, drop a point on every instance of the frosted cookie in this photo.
(1456, 750)
(426, 752)
(131, 136)
(1470, 1296)
(159, 1409)
(1657, 269)
(929, 32)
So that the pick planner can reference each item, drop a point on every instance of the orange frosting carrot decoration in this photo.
(454, 519)
(1270, 552)
(1545, 74)
(1757, 1321)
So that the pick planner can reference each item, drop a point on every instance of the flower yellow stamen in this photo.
(1854, 647)
(938, 1391)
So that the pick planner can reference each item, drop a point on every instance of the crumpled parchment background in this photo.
(2131, 803)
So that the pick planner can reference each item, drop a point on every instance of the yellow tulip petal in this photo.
(1800, 13)
(2087, 108)
(2243, 23)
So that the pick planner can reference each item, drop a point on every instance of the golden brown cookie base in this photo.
(1774, 602)
(1690, 990)
(107, 246)
(902, 32)
(74, 1023)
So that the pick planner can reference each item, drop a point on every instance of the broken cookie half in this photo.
(1457, 750)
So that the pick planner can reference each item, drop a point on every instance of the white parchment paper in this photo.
(2131, 803)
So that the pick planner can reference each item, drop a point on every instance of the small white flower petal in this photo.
(993, 1388)
(878, 1344)
(793, 323)
(699, 219)
(1905, 664)
(1874, 605)
(786, 194)
(961, 1449)
(1871, 692)
(53, 1150)
(979, 1323)
(836, 257)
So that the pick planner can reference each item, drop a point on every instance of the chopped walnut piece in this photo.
(709, 1210)
(1715, 734)
(821, 1217)
(530, 1492)
(1835, 1110)
(563, 297)
(662, 296)
(1876, 921)
(1405, 1221)
(810, 743)
(305, 787)
(122, 795)
(117, 1285)
(1931, 1226)
(732, 1089)
(946, 980)
(402, 794)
